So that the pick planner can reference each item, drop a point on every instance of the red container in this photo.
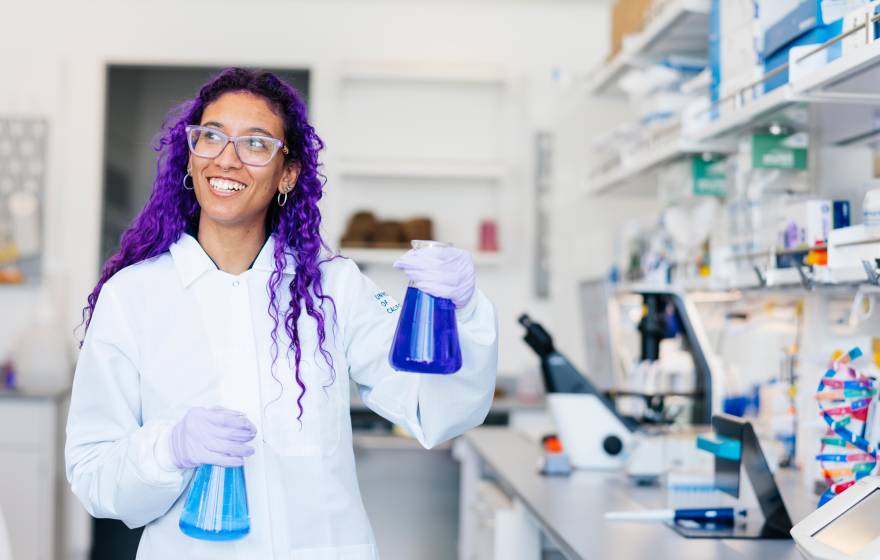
(488, 235)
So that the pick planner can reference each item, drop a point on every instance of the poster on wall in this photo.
(23, 162)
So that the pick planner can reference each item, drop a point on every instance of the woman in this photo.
(222, 333)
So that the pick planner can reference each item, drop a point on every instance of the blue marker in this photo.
(720, 516)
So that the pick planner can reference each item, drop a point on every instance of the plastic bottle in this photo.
(216, 507)
(871, 209)
(426, 340)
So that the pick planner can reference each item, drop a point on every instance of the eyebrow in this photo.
(215, 124)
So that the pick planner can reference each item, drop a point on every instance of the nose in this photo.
(228, 158)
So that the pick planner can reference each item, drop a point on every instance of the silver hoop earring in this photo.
(184, 182)
(282, 199)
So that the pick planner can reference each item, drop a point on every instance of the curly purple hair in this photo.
(295, 226)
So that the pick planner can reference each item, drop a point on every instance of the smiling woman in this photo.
(215, 335)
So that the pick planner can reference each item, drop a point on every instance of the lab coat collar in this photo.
(265, 260)
(192, 261)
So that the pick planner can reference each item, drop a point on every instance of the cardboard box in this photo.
(627, 17)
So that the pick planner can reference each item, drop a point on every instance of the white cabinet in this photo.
(29, 446)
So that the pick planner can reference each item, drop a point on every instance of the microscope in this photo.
(594, 432)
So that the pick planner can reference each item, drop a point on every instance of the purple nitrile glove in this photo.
(211, 436)
(445, 272)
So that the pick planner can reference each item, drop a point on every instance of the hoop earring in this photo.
(184, 182)
(282, 199)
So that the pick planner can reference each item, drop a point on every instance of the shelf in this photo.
(644, 162)
(762, 111)
(681, 28)
(386, 257)
(841, 92)
(422, 169)
(850, 78)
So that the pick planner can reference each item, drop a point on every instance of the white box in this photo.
(805, 223)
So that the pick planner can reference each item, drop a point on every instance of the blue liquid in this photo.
(426, 340)
(216, 507)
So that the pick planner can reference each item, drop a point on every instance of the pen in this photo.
(725, 515)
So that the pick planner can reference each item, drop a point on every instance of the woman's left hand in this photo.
(445, 272)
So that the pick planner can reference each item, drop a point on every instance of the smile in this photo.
(226, 185)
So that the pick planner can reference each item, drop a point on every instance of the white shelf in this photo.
(649, 160)
(682, 28)
(374, 168)
(751, 114)
(839, 276)
(386, 257)
(833, 89)
(859, 68)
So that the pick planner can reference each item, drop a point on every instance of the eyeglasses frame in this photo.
(279, 144)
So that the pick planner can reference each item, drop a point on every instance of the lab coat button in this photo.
(235, 283)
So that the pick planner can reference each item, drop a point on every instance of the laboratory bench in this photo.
(570, 511)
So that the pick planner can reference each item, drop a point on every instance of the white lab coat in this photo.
(175, 332)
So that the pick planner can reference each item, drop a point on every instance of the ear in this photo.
(288, 179)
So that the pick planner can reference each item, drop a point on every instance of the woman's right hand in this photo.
(211, 436)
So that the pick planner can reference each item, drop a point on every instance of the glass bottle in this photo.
(426, 340)
(216, 507)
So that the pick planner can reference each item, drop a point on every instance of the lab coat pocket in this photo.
(356, 552)
(314, 434)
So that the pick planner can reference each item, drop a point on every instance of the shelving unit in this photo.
(832, 90)
(403, 153)
(842, 95)
(682, 27)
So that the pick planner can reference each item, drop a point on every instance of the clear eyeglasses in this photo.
(208, 142)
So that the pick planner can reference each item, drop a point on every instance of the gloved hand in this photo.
(445, 272)
(211, 436)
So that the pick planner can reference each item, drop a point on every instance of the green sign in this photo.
(709, 176)
(777, 151)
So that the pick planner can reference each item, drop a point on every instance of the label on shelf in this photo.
(779, 151)
(709, 176)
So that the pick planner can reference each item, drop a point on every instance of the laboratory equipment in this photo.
(667, 312)
(216, 507)
(593, 433)
(845, 528)
(426, 340)
(737, 450)
(718, 516)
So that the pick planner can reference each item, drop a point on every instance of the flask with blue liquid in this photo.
(426, 340)
(216, 507)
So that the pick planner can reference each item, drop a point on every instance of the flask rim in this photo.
(427, 243)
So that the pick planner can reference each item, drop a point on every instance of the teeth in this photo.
(226, 184)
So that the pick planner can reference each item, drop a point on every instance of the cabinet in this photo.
(29, 475)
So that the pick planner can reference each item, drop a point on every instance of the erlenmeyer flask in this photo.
(216, 507)
(426, 340)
